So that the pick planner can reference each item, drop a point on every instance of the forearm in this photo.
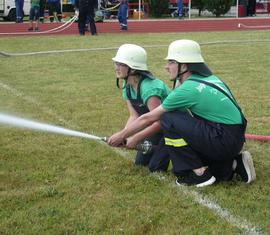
(136, 126)
(148, 131)
(130, 120)
(139, 124)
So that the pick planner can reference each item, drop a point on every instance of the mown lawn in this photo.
(52, 184)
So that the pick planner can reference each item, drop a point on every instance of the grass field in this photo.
(53, 184)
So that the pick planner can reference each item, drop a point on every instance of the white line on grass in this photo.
(223, 213)
(33, 101)
(7, 54)
(47, 110)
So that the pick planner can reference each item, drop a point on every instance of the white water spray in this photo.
(23, 123)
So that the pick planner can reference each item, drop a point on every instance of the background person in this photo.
(54, 6)
(42, 6)
(251, 7)
(19, 10)
(34, 15)
(180, 8)
(86, 13)
(142, 93)
(122, 14)
(203, 126)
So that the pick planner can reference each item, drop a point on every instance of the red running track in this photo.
(148, 26)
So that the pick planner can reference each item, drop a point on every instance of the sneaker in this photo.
(124, 27)
(245, 167)
(197, 180)
(36, 29)
(30, 29)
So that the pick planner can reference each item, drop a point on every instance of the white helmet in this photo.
(133, 56)
(185, 51)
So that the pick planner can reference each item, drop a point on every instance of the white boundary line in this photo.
(49, 111)
(32, 101)
(223, 213)
(7, 54)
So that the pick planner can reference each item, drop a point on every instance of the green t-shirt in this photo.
(35, 3)
(204, 101)
(149, 87)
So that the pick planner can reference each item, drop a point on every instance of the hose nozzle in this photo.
(145, 147)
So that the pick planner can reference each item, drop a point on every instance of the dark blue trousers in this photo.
(208, 144)
(122, 14)
(84, 13)
(19, 10)
(159, 159)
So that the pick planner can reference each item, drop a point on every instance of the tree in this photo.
(218, 7)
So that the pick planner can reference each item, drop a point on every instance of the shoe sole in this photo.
(249, 166)
(206, 183)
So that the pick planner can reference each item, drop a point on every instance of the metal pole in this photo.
(189, 9)
(140, 9)
(237, 5)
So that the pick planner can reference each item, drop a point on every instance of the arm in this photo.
(133, 115)
(132, 142)
(138, 125)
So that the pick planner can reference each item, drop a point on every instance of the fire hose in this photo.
(145, 146)
(257, 137)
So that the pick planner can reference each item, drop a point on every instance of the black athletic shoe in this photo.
(30, 29)
(199, 181)
(245, 168)
(124, 28)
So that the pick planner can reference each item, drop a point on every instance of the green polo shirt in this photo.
(204, 101)
(35, 3)
(149, 88)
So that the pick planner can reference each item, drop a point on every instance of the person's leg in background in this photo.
(58, 11)
(92, 24)
(36, 18)
(122, 16)
(119, 16)
(51, 11)
(19, 10)
(180, 9)
(31, 18)
(81, 21)
(42, 5)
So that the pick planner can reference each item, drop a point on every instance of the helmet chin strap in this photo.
(179, 75)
